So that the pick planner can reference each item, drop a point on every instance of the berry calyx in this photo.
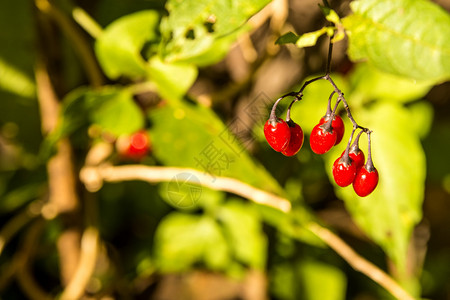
(135, 146)
(322, 138)
(337, 124)
(365, 181)
(344, 171)
(296, 139)
(277, 134)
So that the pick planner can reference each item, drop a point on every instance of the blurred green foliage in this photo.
(159, 49)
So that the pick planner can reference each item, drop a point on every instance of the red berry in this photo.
(321, 140)
(277, 134)
(296, 140)
(357, 157)
(135, 146)
(343, 172)
(365, 181)
(338, 126)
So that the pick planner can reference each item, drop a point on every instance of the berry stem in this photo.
(273, 115)
(329, 103)
(355, 144)
(346, 158)
(288, 113)
(369, 164)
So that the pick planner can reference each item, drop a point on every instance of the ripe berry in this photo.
(357, 156)
(337, 124)
(277, 134)
(322, 139)
(135, 146)
(344, 171)
(296, 139)
(365, 181)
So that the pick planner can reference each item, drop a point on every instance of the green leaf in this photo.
(371, 83)
(310, 38)
(119, 47)
(188, 135)
(172, 79)
(181, 240)
(243, 228)
(111, 108)
(403, 37)
(330, 15)
(400, 161)
(287, 38)
(118, 114)
(194, 28)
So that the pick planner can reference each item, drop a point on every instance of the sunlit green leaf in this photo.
(403, 37)
(194, 28)
(371, 83)
(119, 47)
(310, 38)
(330, 14)
(172, 79)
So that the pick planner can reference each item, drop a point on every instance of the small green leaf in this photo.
(330, 15)
(310, 38)
(287, 38)
(403, 37)
(119, 47)
(172, 79)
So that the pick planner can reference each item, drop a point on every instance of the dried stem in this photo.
(88, 258)
(63, 196)
(164, 174)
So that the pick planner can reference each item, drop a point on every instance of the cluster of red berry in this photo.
(287, 137)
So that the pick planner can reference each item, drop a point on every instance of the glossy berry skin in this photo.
(338, 126)
(277, 134)
(296, 139)
(344, 172)
(357, 157)
(135, 146)
(321, 140)
(365, 181)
